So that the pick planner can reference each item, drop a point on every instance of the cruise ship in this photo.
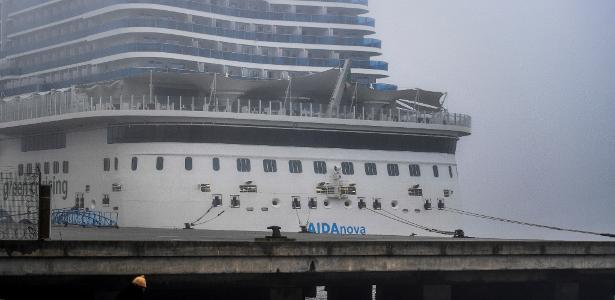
(221, 115)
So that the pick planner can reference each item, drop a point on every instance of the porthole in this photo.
(394, 204)
(347, 203)
(326, 204)
(275, 202)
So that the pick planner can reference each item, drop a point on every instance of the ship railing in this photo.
(83, 217)
(39, 106)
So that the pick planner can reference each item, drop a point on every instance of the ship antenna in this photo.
(288, 94)
(151, 84)
(212, 88)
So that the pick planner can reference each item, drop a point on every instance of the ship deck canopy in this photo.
(317, 88)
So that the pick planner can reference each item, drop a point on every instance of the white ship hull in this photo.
(171, 197)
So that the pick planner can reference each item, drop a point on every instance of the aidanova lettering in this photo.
(333, 228)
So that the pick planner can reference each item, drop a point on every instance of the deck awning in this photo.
(363, 94)
(315, 88)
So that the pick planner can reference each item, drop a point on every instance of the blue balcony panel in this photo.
(193, 51)
(198, 6)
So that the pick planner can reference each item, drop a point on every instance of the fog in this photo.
(538, 78)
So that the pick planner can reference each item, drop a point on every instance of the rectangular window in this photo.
(65, 167)
(56, 167)
(20, 169)
(205, 187)
(188, 163)
(43, 142)
(450, 171)
(216, 201)
(116, 163)
(320, 167)
(46, 167)
(235, 203)
(313, 204)
(216, 164)
(106, 164)
(296, 202)
(134, 163)
(415, 170)
(370, 169)
(243, 165)
(37, 167)
(393, 169)
(29, 168)
(294, 166)
(248, 188)
(415, 191)
(436, 173)
(347, 168)
(159, 163)
(270, 165)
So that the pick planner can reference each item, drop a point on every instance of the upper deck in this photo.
(57, 113)
(321, 101)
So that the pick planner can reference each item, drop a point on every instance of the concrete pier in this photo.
(215, 265)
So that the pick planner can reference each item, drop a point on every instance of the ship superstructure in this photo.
(220, 142)
(55, 44)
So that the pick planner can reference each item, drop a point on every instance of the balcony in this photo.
(198, 28)
(198, 6)
(193, 51)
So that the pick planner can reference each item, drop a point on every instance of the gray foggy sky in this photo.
(538, 78)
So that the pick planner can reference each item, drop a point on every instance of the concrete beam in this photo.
(206, 258)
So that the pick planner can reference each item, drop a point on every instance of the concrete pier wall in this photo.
(428, 269)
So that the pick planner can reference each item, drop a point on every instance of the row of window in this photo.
(36, 167)
(294, 166)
